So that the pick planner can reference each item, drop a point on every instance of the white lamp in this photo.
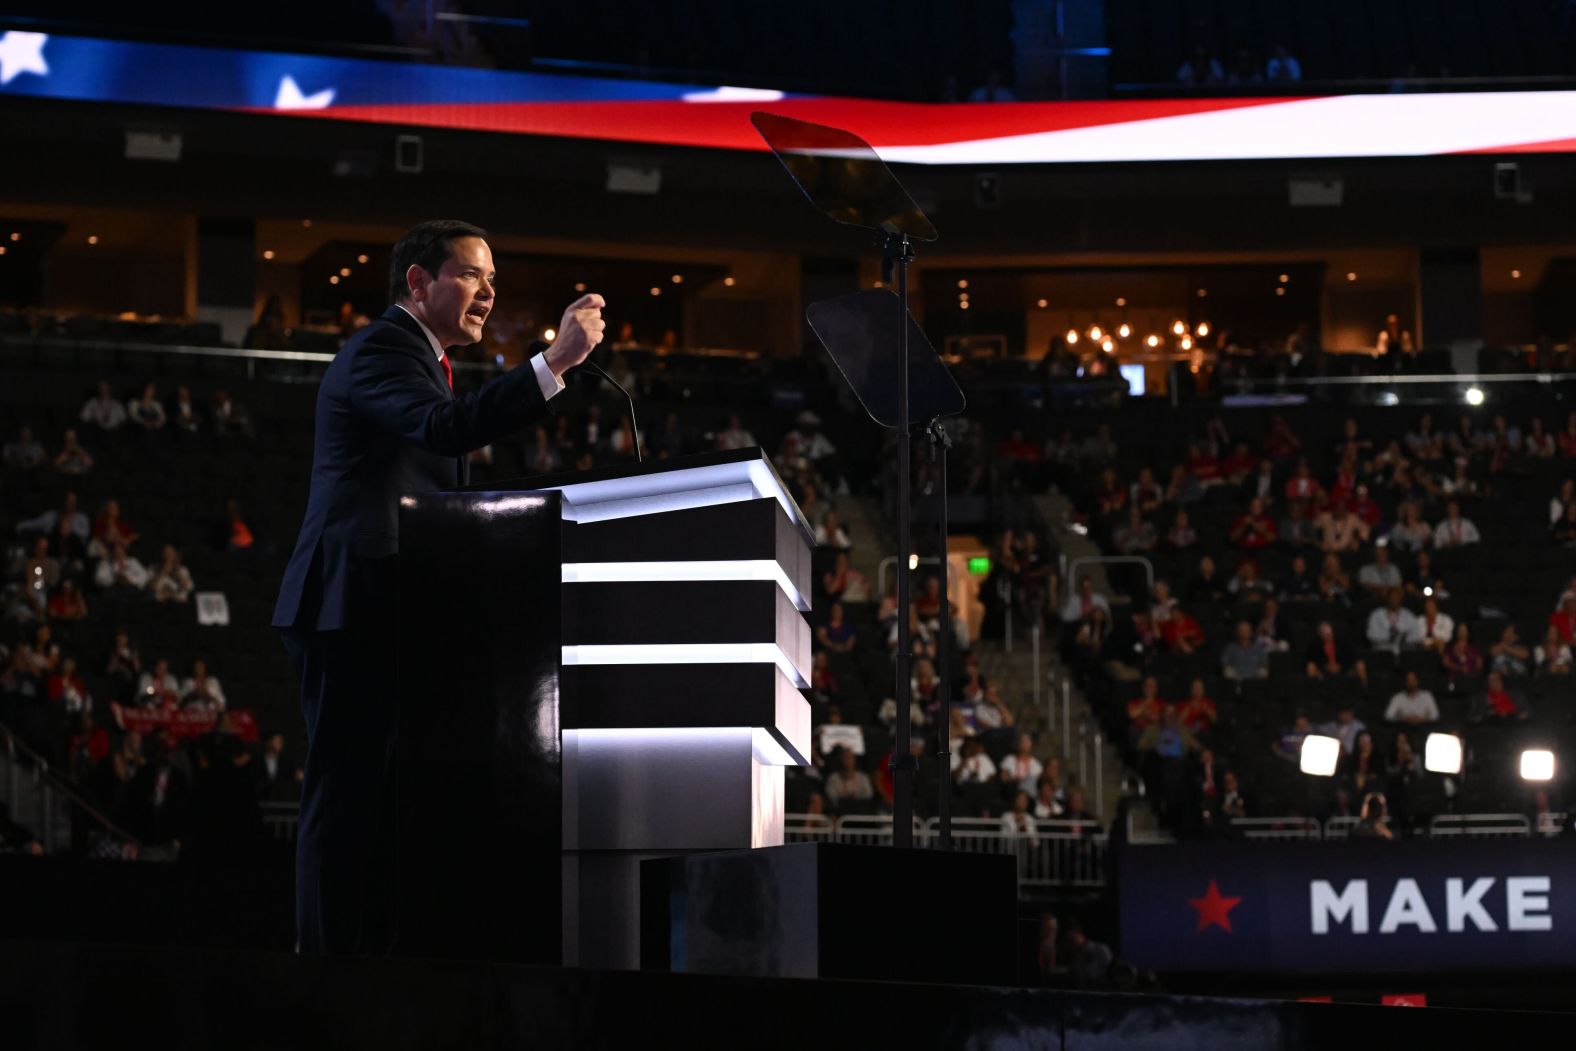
(1320, 755)
(1442, 754)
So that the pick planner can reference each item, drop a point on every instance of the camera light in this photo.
(1442, 754)
(1320, 755)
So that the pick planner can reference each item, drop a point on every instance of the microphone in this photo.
(635, 437)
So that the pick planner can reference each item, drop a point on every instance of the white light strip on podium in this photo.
(679, 489)
(686, 653)
(768, 751)
(718, 569)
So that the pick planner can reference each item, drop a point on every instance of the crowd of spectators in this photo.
(1324, 583)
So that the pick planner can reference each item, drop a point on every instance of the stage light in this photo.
(344, 271)
(1442, 754)
(913, 562)
(1351, 275)
(580, 286)
(333, 279)
(549, 334)
(15, 236)
(362, 259)
(1203, 292)
(1153, 340)
(1320, 755)
(1285, 278)
(1427, 592)
(1474, 396)
(1203, 328)
(880, 284)
(963, 282)
(268, 253)
(728, 281)
(1107, 346)
(655, 290)
(1043, 303)
(686, 653)
(92, 239)
(1537, 764)
(678, 279)
(1072, 336)
(1121, 301)
(1179, 328)
(963, 305)
(1280, 291)
(1124, 330)
(647, 572)
(306, 224)
(2, 249)
(1187, 343)
(1096, 333)
(1515, 275)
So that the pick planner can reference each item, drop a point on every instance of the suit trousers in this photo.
(345, 842)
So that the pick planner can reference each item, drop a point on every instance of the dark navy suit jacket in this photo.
(386, 424)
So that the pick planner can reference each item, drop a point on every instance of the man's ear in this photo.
(416, 281)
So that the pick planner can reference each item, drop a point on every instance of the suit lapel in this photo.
(402, 320)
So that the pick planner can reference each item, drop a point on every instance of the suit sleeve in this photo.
(392, 387)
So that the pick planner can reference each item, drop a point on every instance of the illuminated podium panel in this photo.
(678, 648)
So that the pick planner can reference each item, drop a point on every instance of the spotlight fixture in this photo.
(333, 279)
(549, 334)
(1121, 301)
(1351, 275)
(1320, 754)
(1285, 278)
(92, 239)
(1537, 764)
(1108, 346)
(1187, 343)
(580, 286)
(1203, 328)
(362, 259)
(1280, 291)
(1203, 292)
(1124, 330)
(1153, 340)
(1096, 333)
(1043, 303)
(268, 253)
(655, 290)
(678, 279)
(1442, 754)
(1474, 396)
(728, 281)
(1179, 328)
(1072, 336)
(344, 271)
(913, 562)
(1515, 275)
(963, 282)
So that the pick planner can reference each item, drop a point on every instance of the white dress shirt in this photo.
(545, 379)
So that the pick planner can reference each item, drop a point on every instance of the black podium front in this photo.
(595, 669)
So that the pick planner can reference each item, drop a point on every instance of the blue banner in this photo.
(1344, 908)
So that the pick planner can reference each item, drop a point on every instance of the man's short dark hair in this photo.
(426, 245)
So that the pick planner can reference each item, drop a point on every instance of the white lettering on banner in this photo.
(1461, 907)
(1407, 906)
(1327, 905)
(1527, 904)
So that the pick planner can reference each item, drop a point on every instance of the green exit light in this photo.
(980, 565)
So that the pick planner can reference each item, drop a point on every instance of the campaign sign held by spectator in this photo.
(1375, 907)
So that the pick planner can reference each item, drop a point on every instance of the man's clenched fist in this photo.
(578, 334)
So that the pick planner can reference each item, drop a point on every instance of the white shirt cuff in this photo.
(549, 383)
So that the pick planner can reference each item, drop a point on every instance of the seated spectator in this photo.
(823, 683)
(1272, 633)
(1423, 441)
(1019, 821)
(1454, 530)
(1254, 528)
(184, 412)
(1246, 585)
(1335, 584)
(1181, 536)
(1565, 499)
(1146, 709)
(1092, 636)
(1298, 585)
(1163, 603)
(25, 453)
(66, 688)
(157, 688)
(848, 783)
(1198, 711)
(1260, 485)
(1182, 632)
(1232, 803)
(146, 411)
(1203, 464)
(1303, 488)
(1539, 442)
(124, 665)
(1366, 508)
(837, 635)
(1374, 824)
(1280, 441)
(992, 713)
(109, 528)
(231, 419)
(1048, 799)
(1145, 495)
(38, 576)
(1283, 68)
(1241, 465)
(1297, 530)
(1080, 603)
(1563, 620)
(1423, 580)
(1135, 536)
(1329, 656)
(1182, 488)
(1553, 655)
(1380, 576)
(972, 766)
(1362, 768)
(172, 582)
(1461, 659)
(1345, 727)
(1341, 530)
(1433, 629)
(1563, 532)
(72, 458)
(1288, 745)
(1206, 586)
(1410, 533)
(1391, 626)
(834, 734)
(1169, 738)
(119, 571)
(1509, 656)
(1021, 768)
(1109, 496)
(1499, 702)
(1412, 706)
(830, 533)
(103, 410)
(845, 582)
(1243, 657)
(202, 690)
(66, 529)
(68, 603)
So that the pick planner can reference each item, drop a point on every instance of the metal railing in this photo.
(52, 809)
(1336, 829)
(1055, 853)
(1498, 826)
(1277, 828)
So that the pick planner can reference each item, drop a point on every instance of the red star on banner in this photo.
(1214, 908)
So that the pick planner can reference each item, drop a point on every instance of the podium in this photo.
(596, 669)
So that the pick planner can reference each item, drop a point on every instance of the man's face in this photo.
(455, 303)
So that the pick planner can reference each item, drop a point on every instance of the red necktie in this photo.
(448, 371)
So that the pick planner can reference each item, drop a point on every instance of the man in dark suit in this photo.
(388, 423)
